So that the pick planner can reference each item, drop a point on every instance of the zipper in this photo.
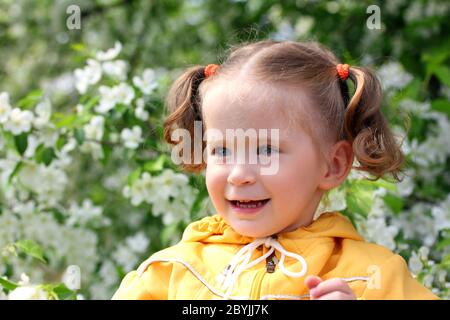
(255, 292)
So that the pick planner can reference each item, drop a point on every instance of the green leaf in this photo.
(107, 151)
(155, 165)
(446, 260)
(16, 170)
(80, 47)
(360, 198)
(444, 243)
(443, 74)
(393, 202)
(60, 143)
(21, 142)
(91, 103)
(391, 186)
(435, 55)
(441, 105)
(61, 120)
(31, 248)
(79, 135)
(62, 292)
(30, 99)
(45, 154)
(134, 176)
(7, 284)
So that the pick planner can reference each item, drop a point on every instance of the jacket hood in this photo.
(214, 229)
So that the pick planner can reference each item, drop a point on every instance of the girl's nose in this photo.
(240, 175)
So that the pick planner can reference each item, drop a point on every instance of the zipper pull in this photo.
(270, 263)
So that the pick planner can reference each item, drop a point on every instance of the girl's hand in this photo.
(332, 289)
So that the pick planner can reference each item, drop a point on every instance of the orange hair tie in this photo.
(342, 71)
(210, 69)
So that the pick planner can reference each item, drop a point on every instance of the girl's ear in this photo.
(337, 166)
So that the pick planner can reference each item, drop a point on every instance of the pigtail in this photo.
(374, 145)
(183, 105)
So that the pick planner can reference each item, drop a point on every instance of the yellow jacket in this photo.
(330, 247)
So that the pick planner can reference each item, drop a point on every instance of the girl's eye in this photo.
(220, 151)
(267, 150)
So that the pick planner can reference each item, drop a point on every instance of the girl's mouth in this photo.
(252, 206)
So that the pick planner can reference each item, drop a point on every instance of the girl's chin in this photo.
(251, 229)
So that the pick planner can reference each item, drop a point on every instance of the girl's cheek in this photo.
(215, 175)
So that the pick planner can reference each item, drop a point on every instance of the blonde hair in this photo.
(357, 119)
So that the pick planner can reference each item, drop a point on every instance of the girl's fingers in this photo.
(329, 286)
(336, 295)
(312, 281)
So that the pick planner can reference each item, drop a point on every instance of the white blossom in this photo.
(169, 193)
(132, 137)
(415, 264)
(61, 84)
(107, 99)
(24, 279)
(33, 143)
(376, 227)
(72, 277)
(5, 107)
(125, 258)
(28, 293)
(406, 186)
(94, 148)
(423, 253)
(171, 183)
(124, 93)
(285, 31)
(108, 273)
(114, 137)
(393, 76)
(79, 108)
(116, 69)
(441, 215)
(141, 114)
(84, 213)
(110, 96)
(337, 202)
(48, 182)
(140, 111)
(442, 275)
(87, 76)
(109, 54)
(428, 280)
(19, 121)
(147, 83)
(43, 111)
(141, 190)
(414, 223)
(419, 108)
(48, 135)
(94, 129)
(137, 243)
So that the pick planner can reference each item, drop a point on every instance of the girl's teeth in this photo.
(251, 204)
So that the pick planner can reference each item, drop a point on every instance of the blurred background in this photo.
(88, 190)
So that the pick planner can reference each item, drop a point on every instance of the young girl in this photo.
(264, 241)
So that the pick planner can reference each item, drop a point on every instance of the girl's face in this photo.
(293, 189)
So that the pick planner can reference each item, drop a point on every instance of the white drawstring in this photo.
(240, 262)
